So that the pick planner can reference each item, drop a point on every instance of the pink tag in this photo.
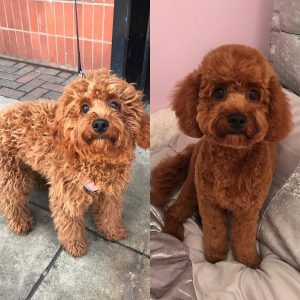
(90, 187)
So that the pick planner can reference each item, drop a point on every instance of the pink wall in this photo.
(183, 31)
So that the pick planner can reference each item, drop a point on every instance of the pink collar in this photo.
(90, 187)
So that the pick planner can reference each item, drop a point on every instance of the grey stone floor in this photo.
(36, 267)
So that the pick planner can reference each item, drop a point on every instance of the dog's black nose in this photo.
(100, 125)
(236, 121)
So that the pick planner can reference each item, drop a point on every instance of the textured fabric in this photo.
(285, 43)
(279, 230)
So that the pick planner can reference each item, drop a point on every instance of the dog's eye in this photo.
(253, 94)
(219, 93)
(85, 108)
(114, 105)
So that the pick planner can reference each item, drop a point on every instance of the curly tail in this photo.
(169, 175)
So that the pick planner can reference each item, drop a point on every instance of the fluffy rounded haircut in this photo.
(230, 168)
(83, 166)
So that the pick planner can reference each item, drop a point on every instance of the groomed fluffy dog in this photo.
(235, 103)
(83, 145)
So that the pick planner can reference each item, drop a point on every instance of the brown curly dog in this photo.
(83, 145)
(235, 103)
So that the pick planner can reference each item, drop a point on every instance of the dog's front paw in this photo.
(23, 225)
(115, 233)
(216, 256)
(251, 261)
(76, 248)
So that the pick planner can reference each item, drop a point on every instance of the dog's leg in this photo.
(244, 225)
(68, 205)
(107, 212)
(15, 184)
(214, 222)
(183, 208)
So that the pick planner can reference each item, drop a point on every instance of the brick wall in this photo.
(44, 30)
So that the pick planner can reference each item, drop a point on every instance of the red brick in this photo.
(1, 42)
(32, 15)
(97, 55)
(44, 48)
(87, 59)
(59, 18)
(41, 16)
(98, 18)
(69, 52)
(50, 8)
(69, 12)
(17, 14)
(52, 49)
(9, 14)
(25, 14)
(36, 46)
(19, 43)
(60, 50)
(106, 56)
(2, 14)
(13, 42)
(80, 19)
(28, 45)
(6, 41)
(108, 23)
(88, 21)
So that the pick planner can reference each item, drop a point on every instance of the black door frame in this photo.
(123, 43)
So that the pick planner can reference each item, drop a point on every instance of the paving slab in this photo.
(108, 271)
(34, 94)
(49, 71)
(52, 95)
(9, 76)
(25, 70)
(31, 85)
(7, 69)
(51, 78)
(11, 93)
(20, 65)
(53, 87)
(65, 74)
(24, 258)
(6, 62)
(28, 77)
(9, 83)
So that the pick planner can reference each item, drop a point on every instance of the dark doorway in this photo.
(131, 43)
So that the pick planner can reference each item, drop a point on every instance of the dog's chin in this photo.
(236, 140)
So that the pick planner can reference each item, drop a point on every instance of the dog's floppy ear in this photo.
(143, 136)
(185, 101)
(61, 140)
(279, 114)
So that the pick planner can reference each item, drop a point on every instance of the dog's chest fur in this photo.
(224, 174)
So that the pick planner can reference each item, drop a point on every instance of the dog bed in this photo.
(179, 270)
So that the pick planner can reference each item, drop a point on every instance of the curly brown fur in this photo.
(57, 141)
(233, 168)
